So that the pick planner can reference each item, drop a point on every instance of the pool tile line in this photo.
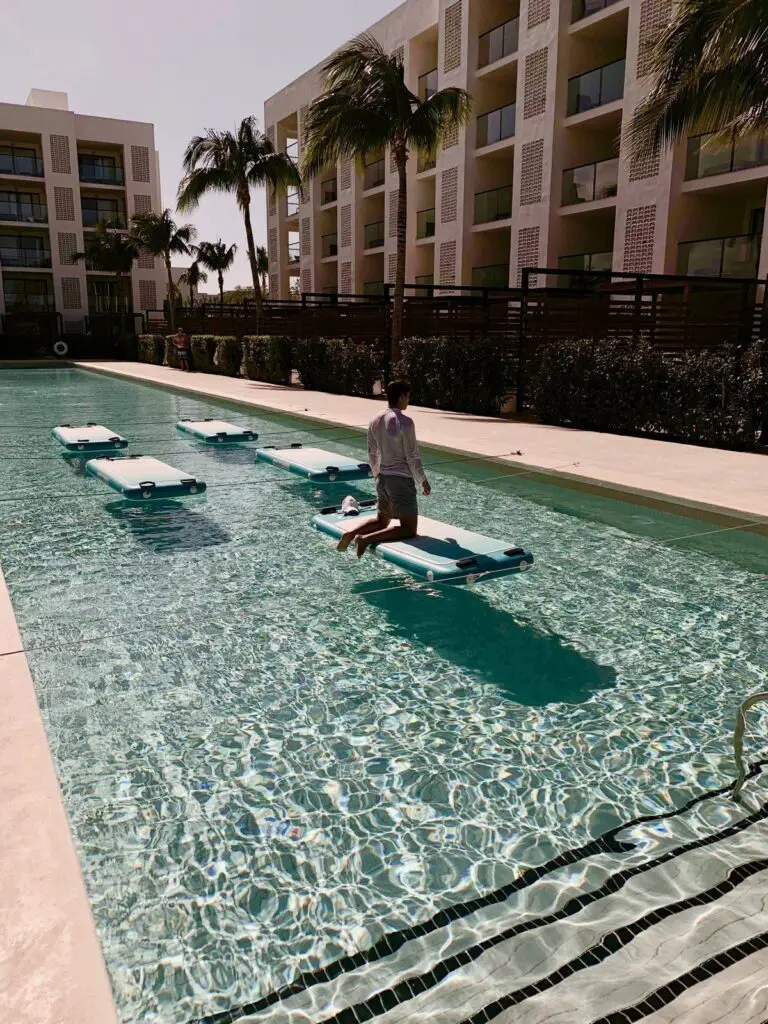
(415, 985)
(390, 943)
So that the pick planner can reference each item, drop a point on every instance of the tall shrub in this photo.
(151, 348)
(341, 366)
(203, 351)
(268, 358)
(466, 375)
(228, 356)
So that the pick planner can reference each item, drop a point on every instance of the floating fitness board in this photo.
(90, 438)
(315, 463)
(141, 478)
(440, 553)
(216, 431)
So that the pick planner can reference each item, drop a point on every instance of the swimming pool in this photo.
(272, 755)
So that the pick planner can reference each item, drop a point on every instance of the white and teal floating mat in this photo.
(142, 478)
(216, 431)
(315, 463)
(440, 553)
(89, 438)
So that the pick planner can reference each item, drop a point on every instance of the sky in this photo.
(184, 65)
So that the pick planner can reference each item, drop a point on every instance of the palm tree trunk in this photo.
(251, 250)
(171, 296)
(221, 293)
(401, 158)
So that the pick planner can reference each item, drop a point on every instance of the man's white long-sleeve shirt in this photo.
(392, 448)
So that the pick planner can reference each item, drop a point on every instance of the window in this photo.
(20, 160)
(22, 206)
(28, 295)
(99, 169)
(102, 210)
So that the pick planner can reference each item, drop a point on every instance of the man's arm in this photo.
(412, 456)
(374, 455)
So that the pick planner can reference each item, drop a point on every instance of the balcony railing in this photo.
(493, 204)
(24, 213)
(495, 276)
(292, 203)
(11, 256)
(374, 175)
(586, 261)
(707, 156)
(583, 8)
(425, 223)
(734, 256)
(591, 181)
(496, 125)
(112, 218)
(374, 234)
(22, 162)
(100, 174)
(425, 163)
(427, 85)
(596, 88)
(498, 43)
(294, 252)
(329, 245)
(329, 191)
(373, 288)
(19, 303)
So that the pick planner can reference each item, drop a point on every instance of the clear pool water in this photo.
(271, 754)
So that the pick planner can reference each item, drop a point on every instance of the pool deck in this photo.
(711, 481)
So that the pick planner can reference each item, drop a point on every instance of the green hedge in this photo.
(711, 397)
(268, 358)
(227, 357)
(475, 376)
(171, 355)
(340, 366)
(151, 348)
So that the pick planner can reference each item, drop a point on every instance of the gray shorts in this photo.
(397, 497)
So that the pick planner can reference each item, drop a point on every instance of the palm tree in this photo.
(367, 106)
(262, 266)
(711, 75)
(160, 235)
(217, 257)
(193, 277)
(235, 162)
(110, 252)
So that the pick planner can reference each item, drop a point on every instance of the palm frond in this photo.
(197, 183)
(160, 235)
(216, 256)
(338, 125)
(435, 117)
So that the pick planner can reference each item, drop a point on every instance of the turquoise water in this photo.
(271, 754)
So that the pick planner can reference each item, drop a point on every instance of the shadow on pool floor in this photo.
(531, 667)
(168, 526)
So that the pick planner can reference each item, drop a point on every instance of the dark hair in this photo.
(396, 389)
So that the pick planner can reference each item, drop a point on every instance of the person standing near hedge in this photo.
(393, 455)
(183, 348)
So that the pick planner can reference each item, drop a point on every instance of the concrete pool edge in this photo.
(52, 966)
(753, 510)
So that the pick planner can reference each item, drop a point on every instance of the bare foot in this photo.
(346, 540)
(362, 544)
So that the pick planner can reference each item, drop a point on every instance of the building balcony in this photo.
(329, 246)
(374, 174)
(100, 174)
(292, 203)
(495, 276)
(111, 216)
(493, 204)
(373, 235)
(329, 191)
(583, 8)
(499, 43)
(732, 256)
(596, 88)
(589, 182)
(425, 223)
(427, 85)
(496, 125)
(22, 212)
(425, 163)
(595, 261)
(19, 256)
(294, 253)
(21, 161)
(707, 156)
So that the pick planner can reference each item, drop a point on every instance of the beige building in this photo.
(538, 177)
(61, 173)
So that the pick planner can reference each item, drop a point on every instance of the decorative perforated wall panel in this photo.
(303, 125)
(345, 227)
(345, 175)
(452, 37)
(449, 195)
(447, 263)
(393, 197)
(142, 203)
(535, 89)
(638, 239)
(346, 278)
(306, 279)
(392, 267)
(645, 166)
(146, 260)
(527, 252)
(270, 133)
(272, 202)
(67, 246)
(451, 138)
(306, 236)
(273, 254)
(274, 286)
(60, 162)
(538, 12)
(140, 163)
(147, 294)
(655, 15)
(531, 171)
(63, 203)
(70, 293)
